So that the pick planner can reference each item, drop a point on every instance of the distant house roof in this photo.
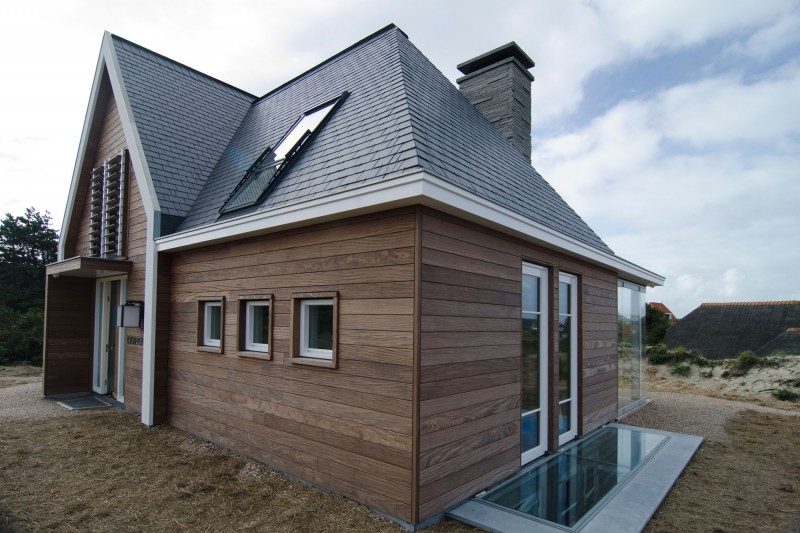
(722, 330)
(787, 343)
(200, 135)
(663, 308)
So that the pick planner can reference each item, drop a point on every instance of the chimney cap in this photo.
(511, 49)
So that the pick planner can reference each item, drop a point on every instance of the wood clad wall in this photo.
(110, 141)
(68, 335)
(348, 429)
(470, 354)
(135, 247)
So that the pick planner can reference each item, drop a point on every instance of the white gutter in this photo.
(416, 188)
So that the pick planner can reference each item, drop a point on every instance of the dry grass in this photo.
(103, 471)
(669, 385)
(751, 483)
(19, 374)
(106, 472)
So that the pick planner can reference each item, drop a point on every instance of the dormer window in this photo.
(106, 215)
(263, 173)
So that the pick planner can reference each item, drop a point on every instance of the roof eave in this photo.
(417, 187)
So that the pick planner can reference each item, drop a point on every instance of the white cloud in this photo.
(727, 110)
(722, 223)
(771, 39)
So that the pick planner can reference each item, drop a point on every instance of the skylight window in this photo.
(264, 172)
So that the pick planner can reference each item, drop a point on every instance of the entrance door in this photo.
(534, 362)
(108, 356)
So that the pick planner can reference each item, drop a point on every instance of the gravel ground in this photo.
(692, 414)
(26, 402)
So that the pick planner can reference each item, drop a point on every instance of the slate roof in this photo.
(401, 115)
(723, 330)
(185, 120)
(787, 343)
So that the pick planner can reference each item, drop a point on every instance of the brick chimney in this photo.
(498, 84)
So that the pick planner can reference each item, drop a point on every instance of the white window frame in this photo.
(305, 350)
(249, 345)
(569, 435)
(544, 359)
(207, 340)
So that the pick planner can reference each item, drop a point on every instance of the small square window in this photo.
(255, 325)
(210, 315)
(256, 336)
(314, 329)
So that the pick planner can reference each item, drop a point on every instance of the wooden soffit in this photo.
(89, 267)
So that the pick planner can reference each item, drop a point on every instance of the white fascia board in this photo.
(416, 188)
(380, 196)
(452, 199)
(134, 143)
(153, 214)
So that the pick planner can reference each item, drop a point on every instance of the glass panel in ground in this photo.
(565, 487)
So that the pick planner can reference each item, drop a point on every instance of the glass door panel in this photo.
(567, 358)
(534, 362)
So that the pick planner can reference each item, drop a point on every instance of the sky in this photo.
(672, 127)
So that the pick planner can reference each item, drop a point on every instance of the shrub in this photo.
(658, 358)
(786, 395)
(743, 363)
(796, 383)
(659, 354)
(680, 370)
(725, 374)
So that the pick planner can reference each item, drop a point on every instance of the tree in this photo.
(656, 325)
(27, 245)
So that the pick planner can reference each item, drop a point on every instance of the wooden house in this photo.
(357, 278)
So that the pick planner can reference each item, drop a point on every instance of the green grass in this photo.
(680, 369)
(786, 395)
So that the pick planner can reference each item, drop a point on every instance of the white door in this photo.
(567, 353)
(107, 375)
(534, 421)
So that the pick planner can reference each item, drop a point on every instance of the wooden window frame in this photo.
(299, 330)
(202, 340)
(244, 347)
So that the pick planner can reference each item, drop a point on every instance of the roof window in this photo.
(264, 172)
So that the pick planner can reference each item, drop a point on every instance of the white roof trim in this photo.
(140, 168)
(416, 188)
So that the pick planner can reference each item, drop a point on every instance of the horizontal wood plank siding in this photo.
(348, 429)
(470, 354)
(109, 141)
(69, 323)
